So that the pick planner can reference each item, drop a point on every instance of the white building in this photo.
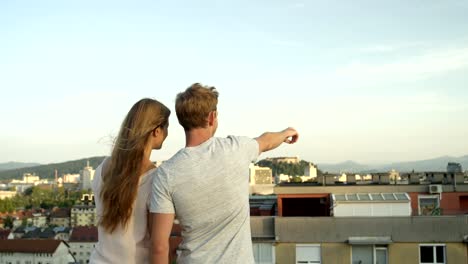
(284, 178)
(7, 194)
(371, 204)
(71, 178)
(261, 180)
(86, 177)
(82, 242)
(32, 251)
(39, 220)
(30, 178)
(260, 175)
(310, 171)
(83, 215)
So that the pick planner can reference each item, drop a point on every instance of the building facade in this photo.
(25, 251)
(83, 215)
(82, 242)
(60, 217)
(86, 177)
(366, 224)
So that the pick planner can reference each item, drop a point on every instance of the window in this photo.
(369, 254)
(432, 254)
(308, 254)
(264, 253)
(429, 205)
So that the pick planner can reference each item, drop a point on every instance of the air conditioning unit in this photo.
(435, 188)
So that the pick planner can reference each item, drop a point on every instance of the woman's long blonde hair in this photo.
(122, 172)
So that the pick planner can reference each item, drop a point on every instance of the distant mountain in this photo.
(436, 164)
(48, 171)
(16, 165)
(346, 166)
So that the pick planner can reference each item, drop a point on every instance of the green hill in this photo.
(16, 165)
(292, 169)
(48, 171)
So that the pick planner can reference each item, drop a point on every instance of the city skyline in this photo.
(363, 81)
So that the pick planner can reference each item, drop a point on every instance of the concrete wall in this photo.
(336, 253)
(285, 253)
(432, 229)
(409, 253)
(398, 253)
(403, 253)
(457, 253)
(262, 227)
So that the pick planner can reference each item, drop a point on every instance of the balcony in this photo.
(339, 229)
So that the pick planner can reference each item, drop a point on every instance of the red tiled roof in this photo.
(29, 245)
(60, 213)
(84, 234)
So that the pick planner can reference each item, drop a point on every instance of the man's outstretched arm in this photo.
(271, 140)
(161, 227)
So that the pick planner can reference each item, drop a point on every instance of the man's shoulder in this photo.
(232, 139)
(173, 162)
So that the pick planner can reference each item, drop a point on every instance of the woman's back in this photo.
(130, 245)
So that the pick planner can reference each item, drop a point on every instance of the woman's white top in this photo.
(129, 245)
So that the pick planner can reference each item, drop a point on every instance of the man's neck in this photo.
(197, 136)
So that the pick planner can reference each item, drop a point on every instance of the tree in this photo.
(8, 222)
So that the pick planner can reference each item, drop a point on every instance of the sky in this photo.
(369, 81)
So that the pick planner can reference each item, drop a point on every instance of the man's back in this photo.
(207, 186)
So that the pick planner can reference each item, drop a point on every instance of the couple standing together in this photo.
(205, 185)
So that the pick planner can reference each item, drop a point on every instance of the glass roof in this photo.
(371, 197)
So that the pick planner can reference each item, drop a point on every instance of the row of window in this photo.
(264, 253)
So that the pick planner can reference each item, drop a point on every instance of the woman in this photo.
(122, 184)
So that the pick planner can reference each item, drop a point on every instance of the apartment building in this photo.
(25, 251)
(359, 224)
(82, 242)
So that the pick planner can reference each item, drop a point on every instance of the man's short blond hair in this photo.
(194, 104)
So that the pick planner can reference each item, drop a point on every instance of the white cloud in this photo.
(413, 68)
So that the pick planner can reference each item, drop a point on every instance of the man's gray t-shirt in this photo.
(207, 187)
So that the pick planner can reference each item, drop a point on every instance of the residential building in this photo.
(62, 233)
(71, 178)
(310, 171)
(86, 177)
(48, 251)
(39, 220)
(261, 180)
(7, 194)
(60, 217)
(84, 214)
(30, 178)
(373, 223)
(260, 175)
(82, 242)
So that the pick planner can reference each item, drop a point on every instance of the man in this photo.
(206, 184)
